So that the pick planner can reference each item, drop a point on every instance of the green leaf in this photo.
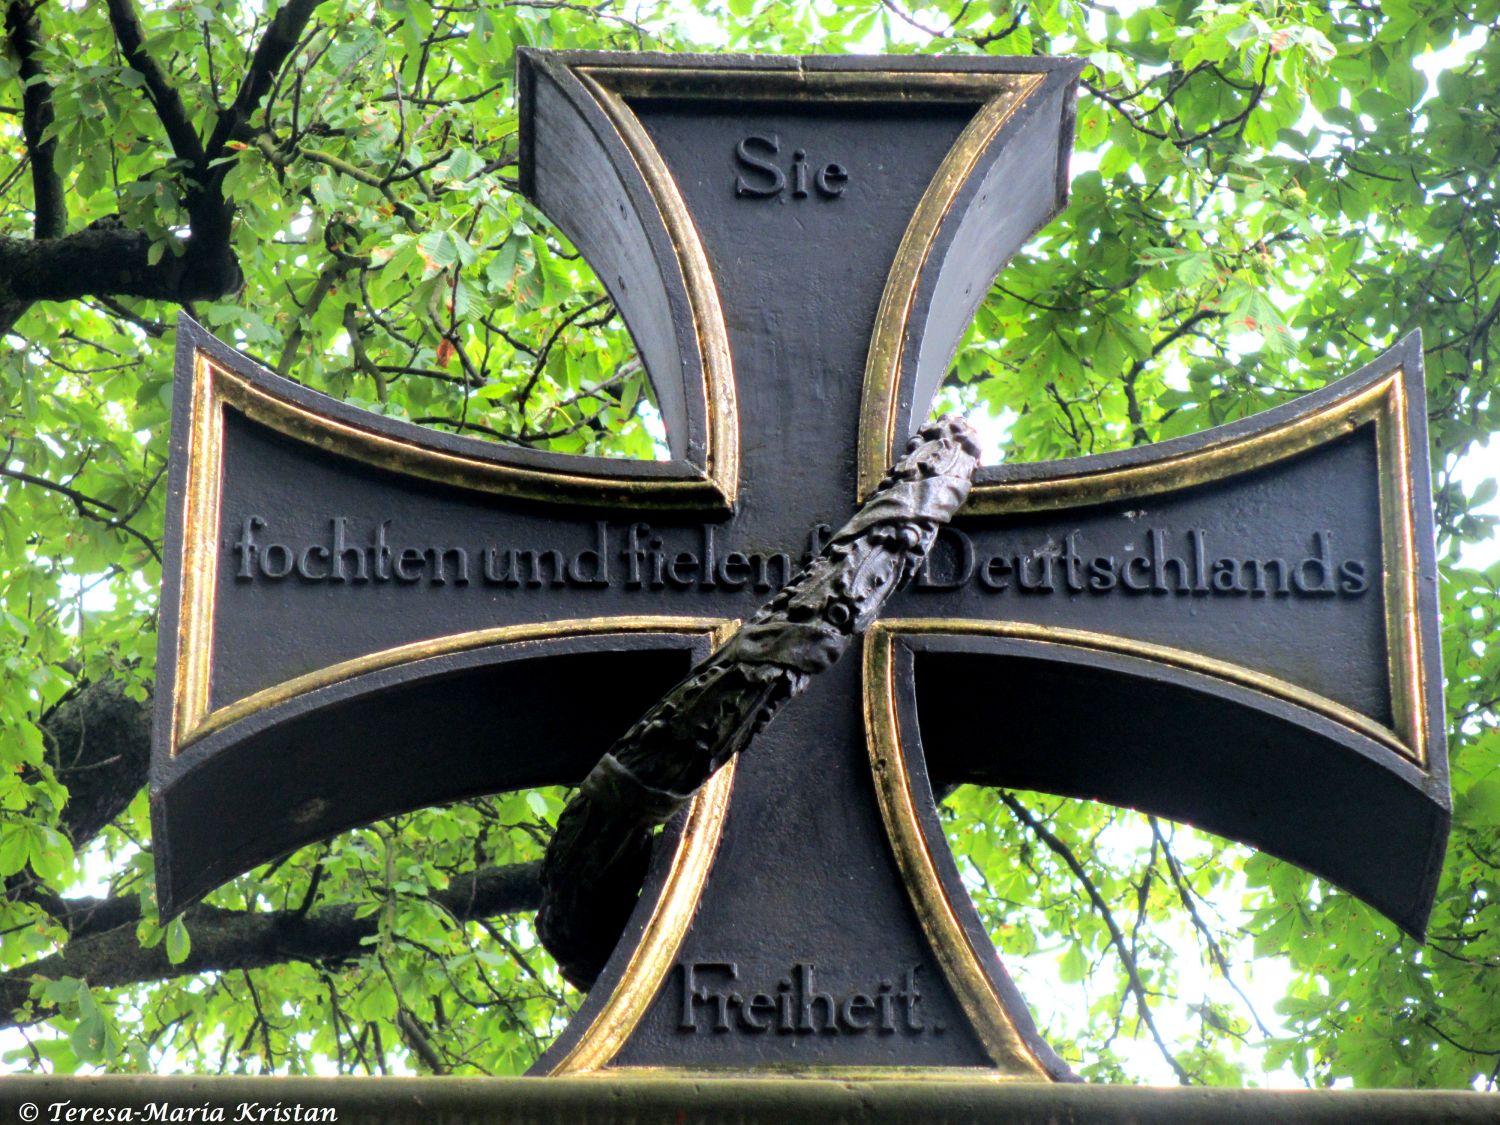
(438, 250)
(1481, 801)
(1093, 125)
(179, 943)
(1073, 966)
(49, 852)
(15, 842)
(1196, 269)
(90, 1036)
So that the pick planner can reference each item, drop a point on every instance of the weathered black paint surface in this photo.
(1135, 737)
(283, 777)
(804, 875)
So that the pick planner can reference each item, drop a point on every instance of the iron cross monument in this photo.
(1235, 629)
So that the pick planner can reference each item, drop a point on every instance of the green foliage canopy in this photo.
(1267, 193)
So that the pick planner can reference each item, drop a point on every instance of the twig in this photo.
(540, 362)
(83, 505)
(1116, 937)
(1215, 951)
(331, 275)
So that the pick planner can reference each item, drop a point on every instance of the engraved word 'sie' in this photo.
(764, 179)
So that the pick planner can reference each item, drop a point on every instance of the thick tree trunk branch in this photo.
(99, 746)
(48, 205)
(208, 266)
(225, 940)
(104, 260)
(110, 261)
(87, 915)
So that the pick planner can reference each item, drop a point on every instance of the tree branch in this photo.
(153, 328)
(108, 260)
(1116, 936)
(85, 506)
(271, 53)
(48, 205)
(99, 745)
(1215, 950)
(105, 260)
(226, 940)
(539, 364)
(1133, 413)
(330, 277)
(170, 111)
(416, 1037)
(266, 144)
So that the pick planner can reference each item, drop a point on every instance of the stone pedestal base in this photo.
(680, 1101)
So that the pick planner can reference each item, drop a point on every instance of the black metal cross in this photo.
(1235, 629)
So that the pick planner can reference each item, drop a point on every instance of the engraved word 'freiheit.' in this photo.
(713, 1000)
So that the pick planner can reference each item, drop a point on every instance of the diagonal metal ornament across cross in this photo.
(1235, 629)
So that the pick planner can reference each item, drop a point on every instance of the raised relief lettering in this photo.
(769, 179)
(1162, 563)
(715, 999)
(761, 176)
(1158, 563)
